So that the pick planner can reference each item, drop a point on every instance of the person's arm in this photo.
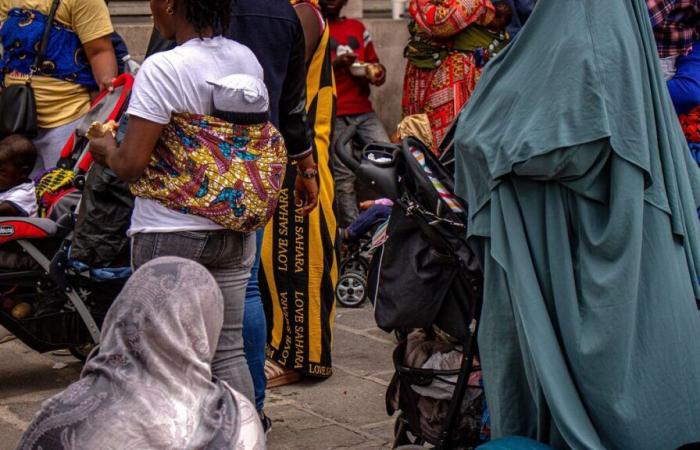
(103, 61)
(292, 107)
(312, 26)
(150, 110)
(130, 159)
(371, 56)
(684, 87)
(294, 126)
(91, 21)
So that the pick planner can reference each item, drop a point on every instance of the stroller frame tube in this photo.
(462, 385)
(70, 292)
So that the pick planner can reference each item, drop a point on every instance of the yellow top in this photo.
(60, 102)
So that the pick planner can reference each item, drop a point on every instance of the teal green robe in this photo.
(583, 197)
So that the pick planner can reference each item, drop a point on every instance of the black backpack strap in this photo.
(44, 43)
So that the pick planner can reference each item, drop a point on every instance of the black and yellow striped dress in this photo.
(299, 263)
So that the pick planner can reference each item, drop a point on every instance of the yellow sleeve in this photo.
(4, 9)
(90, 19)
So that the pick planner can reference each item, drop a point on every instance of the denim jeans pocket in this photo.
(185, 244)
(230, 249)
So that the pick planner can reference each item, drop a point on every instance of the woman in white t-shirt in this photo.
(178, 82)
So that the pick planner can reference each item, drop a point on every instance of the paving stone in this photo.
(361, 354)
(343, 397)
(381, 334)
(27, 371)
(384, 431)
(10, 436)
(366, 446)
(286, 415)
(358, 318)
(384, 375)
(329, 437)
(25, 410)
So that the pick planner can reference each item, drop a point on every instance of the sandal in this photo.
(279, 376)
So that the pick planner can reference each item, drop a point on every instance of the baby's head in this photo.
(241, 99)
(504, 14)
(17, 158)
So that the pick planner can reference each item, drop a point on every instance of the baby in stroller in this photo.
(17, 193)
(48, 302)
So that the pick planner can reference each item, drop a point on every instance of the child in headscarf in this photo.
(150, 383)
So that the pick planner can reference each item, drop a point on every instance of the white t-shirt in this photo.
(22, 197)
(176, 82)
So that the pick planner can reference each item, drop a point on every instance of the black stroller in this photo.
(425, 277)
(50, 302)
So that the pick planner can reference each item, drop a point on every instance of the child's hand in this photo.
(376, 74)
(367, 204)
(345, 60)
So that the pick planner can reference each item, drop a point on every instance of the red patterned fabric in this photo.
(691, 125)
(445, 18)
(440, 93)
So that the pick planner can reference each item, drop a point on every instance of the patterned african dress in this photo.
(299, 263)
(441, 83)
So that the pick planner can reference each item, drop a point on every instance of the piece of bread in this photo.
(98, 129)
(374, 71)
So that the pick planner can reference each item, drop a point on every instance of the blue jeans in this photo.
(369, 130)
(255, 329)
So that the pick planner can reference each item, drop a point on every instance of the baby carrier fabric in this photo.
(231, 174)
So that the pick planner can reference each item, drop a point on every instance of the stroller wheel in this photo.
(81, 352)
(358, 265)
(351, 289)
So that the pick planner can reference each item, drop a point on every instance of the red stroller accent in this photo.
(65, 304)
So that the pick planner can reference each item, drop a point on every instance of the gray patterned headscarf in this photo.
(150, 384)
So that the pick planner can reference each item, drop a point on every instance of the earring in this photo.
(170, 10)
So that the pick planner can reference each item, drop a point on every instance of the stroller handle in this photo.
(343, 148)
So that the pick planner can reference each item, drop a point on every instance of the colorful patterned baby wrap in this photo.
(231, 174)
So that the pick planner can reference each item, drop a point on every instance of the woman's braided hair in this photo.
(205, 14)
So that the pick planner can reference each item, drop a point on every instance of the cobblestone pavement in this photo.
(344, 412)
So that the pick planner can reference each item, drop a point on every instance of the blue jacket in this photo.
(684, 87)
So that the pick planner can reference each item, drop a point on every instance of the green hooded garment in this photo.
(583, 196)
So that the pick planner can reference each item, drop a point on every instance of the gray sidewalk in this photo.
(344, 412)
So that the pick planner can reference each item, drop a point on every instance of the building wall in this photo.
(390, 37)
